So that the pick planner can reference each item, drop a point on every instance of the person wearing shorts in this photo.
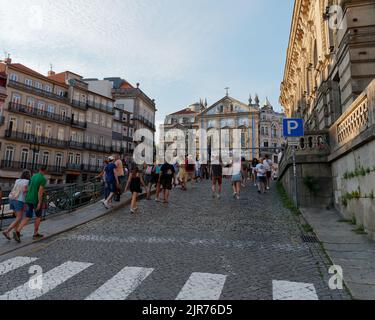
(183, 176)
(157, 182)
(17, 201)
(34, 203)
(261, 177)
(190, 169)
(167, 173)
(217, 179)
(134, 184)
(149, 178)
(236, 183)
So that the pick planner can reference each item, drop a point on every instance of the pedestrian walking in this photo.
(101, 175)
(183, 176)
(134, 184)
(244, 171)
(190, 169)
(236, 180)
(149, 179)
(254, 164)
(158, 182)
(112, 182)
(261, 176)
(120, 173)
(167, 173)
(34, 203)
(17, 201)
(176, 181)
(268, 164)
(217, 178)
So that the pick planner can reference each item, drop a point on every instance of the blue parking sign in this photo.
(293, 128)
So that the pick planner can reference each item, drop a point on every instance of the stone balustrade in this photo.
(355, 126)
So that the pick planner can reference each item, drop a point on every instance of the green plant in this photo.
(287, 202)
(307, 228)
(360, 230)
(311, 184)
(354, 221)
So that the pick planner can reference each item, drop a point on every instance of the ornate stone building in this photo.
(271, 131)
(328, 81)
(229, 113)
(328, 65)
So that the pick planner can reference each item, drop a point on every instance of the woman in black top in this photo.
(134, 184)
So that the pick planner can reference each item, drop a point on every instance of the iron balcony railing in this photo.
(92, 168)
(45, 115)
(103, 107)
(144, 121)
(79, 124)
(34, 139)
(37, 91)
(97, 147)
(17, 166)
(34, 112)
(80, 105)
(98, 106)
(76, 145)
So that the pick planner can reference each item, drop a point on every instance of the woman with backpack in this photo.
(17, 200)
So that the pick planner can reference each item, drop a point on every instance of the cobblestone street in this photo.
(195, 248)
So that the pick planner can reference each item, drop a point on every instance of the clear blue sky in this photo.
(178, 50)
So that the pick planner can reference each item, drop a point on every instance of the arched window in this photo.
(24, 157)
(45, 159)
(274, 131)
(58, 160)
(9, 156)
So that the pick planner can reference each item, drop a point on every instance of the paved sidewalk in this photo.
(60, 223)
(354, 253)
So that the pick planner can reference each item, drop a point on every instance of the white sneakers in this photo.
(107, 205)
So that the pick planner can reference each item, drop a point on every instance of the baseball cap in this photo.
(111, 158)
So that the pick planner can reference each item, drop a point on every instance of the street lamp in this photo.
(35, 148)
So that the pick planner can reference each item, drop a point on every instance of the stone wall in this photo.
(353, 161)
(354, 186)
(314, 177)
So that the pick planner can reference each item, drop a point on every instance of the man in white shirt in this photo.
(261, 176)
(268, 164)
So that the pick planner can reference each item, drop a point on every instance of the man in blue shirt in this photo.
(112, 181)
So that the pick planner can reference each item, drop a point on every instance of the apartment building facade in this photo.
(37, 124)
(91, 140)
(123, 123)
(54, 121)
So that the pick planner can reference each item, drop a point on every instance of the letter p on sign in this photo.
(293, 128)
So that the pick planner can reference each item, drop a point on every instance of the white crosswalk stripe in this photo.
(286, 290)
(14, 263)
(121, 285)
(199, 286)
(203, 286)
(51, 280)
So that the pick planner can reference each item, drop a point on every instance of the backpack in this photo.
(149, 170)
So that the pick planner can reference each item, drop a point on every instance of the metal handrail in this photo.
(66, 199)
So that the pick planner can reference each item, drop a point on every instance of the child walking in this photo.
(134, 184)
